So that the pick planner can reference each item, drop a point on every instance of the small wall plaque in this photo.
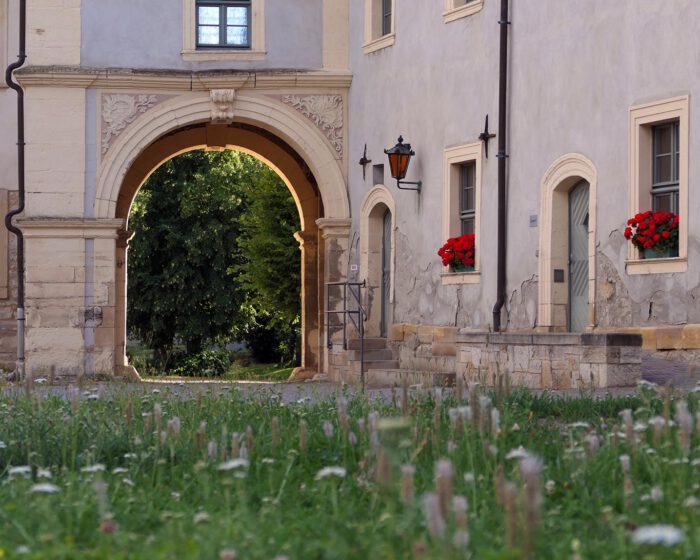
(533, 220)
(353, 268)
(559, 275)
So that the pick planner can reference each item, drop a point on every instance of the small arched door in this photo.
(578, 257)
(386, 274)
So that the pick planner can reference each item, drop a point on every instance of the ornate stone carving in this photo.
(326, 111)
(121, 109)
(222, 105)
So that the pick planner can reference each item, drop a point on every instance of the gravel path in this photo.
(682, 376)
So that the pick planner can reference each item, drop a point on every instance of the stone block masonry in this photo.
(551, 361)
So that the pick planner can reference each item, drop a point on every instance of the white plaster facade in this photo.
(108, 99)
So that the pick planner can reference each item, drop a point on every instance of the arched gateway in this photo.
(268, 127)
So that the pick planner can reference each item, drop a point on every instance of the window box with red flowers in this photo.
(459, 253)
(655, 234)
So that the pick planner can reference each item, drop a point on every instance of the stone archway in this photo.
(283, 139)
(562, 176)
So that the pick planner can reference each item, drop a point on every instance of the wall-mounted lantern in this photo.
(399, 158)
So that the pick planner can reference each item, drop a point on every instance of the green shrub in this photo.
(208, 363)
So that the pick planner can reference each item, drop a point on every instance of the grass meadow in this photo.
(468, 473)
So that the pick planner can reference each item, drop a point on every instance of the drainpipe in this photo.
(502, 157)
(19, 371)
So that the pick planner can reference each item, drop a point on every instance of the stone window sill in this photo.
(222, 54)
(454, 278)
(462, 11)
(379, 44)
(656, 266)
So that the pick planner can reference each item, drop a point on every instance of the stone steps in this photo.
(370, 344)
(385, 354)
(388, 378)
(354, 366)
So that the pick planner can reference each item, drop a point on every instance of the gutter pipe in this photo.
(502, 157)
(21, 58)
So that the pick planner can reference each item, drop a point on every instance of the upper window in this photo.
(223, 29)
(225, 23)
(666, 160)
(457, 9)
(379, 24)
(659, 158)
(461, 203)
(467, 196)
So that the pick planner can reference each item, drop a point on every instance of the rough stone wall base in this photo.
(551, 361)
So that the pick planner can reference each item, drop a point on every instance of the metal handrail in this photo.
(356, 316)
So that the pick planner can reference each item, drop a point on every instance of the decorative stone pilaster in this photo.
(335, 234)
(311, 348)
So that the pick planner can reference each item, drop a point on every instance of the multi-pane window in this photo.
(467, 196)
(223, 24)
(386, 17)
(665, 166)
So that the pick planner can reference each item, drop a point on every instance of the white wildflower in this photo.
(469, 478)
(665, 535)
(128, 481)
(656, 494)
(120, 470)
(3, 445)
(43, 473)
(201, 517)
(97, 467)
(326, 472)
(583, 425)
(691, 502)
(550, 486)
(267, 461)
(45, 488)
(233, 464)
(40, 380)
(22, 470)
(517, 453)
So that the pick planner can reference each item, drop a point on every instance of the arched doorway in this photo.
(377, 250)
(567, 269)
(271, 132)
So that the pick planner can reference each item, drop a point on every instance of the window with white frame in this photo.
(379, 24)
(659, 163)
(457, 9)
(223, 29)
(223, 24)
(461, 203)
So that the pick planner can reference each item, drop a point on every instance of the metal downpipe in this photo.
(502, 158)
(21, 58)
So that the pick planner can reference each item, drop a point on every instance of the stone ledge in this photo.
(611, 339)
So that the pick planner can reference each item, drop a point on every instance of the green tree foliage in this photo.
(270, 272)
(213, 256)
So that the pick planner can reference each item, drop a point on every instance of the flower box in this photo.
(655, 234)
(459, 253)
